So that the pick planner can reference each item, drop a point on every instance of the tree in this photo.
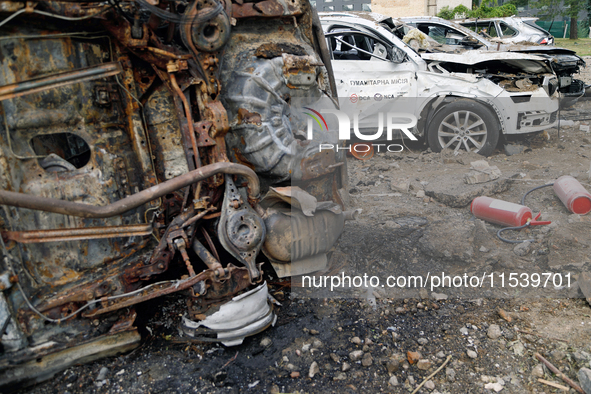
(485, 10)
(548, 9)
(572, 8)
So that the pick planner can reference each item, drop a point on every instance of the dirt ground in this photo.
(415, 221)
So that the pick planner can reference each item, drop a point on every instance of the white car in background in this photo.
(462, 100)
(565, 62)
(510, 30)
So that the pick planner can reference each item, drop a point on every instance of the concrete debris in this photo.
(557, 355)
(584, 282)
(455, 193)
(512, 149)
(481, 172)
(356, 355)
(522, 249)
(494, 331)
(423, 293)
(340, 376)
(102, 373)
(424, 365)
(314, 369)
(439, 296)
(494, 386)
(450, 374)
(401, 186)
(392, 365)
(518, 348)
(585, 379)
(581, 357)
(393, 381)
(367, 360)
(101, 379)
(538, 371)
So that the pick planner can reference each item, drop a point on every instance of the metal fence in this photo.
(558, 28)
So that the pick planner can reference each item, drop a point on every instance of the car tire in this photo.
(464, 124)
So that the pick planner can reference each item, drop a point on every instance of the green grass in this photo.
(582, 45)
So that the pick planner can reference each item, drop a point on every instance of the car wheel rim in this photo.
(462, 130)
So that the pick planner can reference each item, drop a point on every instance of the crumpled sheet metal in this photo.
(300, 200)
(245, 315)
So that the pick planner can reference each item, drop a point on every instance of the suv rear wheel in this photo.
(466, 125)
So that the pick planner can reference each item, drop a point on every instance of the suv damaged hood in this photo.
(528, 63)
(560, 56)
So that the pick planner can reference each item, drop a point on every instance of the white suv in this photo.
(461, 100)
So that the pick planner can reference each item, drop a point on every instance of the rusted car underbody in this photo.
(150, 148)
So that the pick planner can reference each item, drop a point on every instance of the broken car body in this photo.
(510, 30)
(462, 100)
(564, 62)
(149, 148)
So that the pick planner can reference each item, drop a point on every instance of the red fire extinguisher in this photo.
(573, 195)
(500, 212)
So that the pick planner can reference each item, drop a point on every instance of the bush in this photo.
(446, 13)
(483, 11)
(462, 9)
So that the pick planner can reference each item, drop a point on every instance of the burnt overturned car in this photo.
(150, 148)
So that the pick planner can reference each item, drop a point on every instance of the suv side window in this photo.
(506, 30)
(442, 34)
(347, 44)
(489, 28)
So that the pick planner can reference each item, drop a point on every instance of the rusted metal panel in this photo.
(115, 136)
(57, 80)
(131, 202)
(266, 8)
(28, 237)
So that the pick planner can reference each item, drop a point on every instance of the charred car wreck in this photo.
(150, 148)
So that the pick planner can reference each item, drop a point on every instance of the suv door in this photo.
(372, 76)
